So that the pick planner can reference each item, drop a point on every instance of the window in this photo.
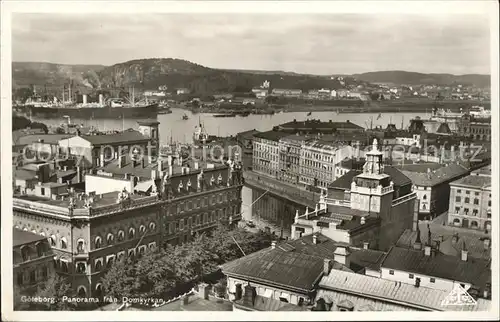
(80, 267)
(110, 260)
(425, 197)
(131, 233)
(64, 243)
(474, 212)
(433, 280)
(467, 199)
(80, 246)
(152, 226)
(121, 235)
(98, 242)
(110, 239)
(40, 249)
(458, 199)
(467, 192)
(457, 209)
(476, 201)
(476, 193)
(142, 229)
(98, 264)
(459, 191)
(489, 203)
(42, 191)
(391, 272)
(53, 241)
(411, 276)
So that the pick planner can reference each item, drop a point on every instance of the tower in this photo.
(372, 190)
(150, 129)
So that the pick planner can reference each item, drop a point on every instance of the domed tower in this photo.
(372, 190)
(150, 129)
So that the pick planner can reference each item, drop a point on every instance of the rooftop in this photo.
(273, 266)
(438, 176)
(262, 303)
(45, 138)
(319, 125)
(486, 171)
(271, 135)
(128, 136)
(148, 122)
(473, 240)
(21, 237)
(398, 295)
(419, 167)
(473, 181)
(197, 303)
(474, 271)
(398, 177)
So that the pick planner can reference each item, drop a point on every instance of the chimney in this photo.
(249, 296)
(464, 255)
(170, 170)
(315, 239)
(101, 99)
(185, 300)
(153, 174)
(84, 98)
(273, 244)
(427, 250)
(366, 245)
(203, 287)
(196, 165)
(341, 255)
(327, 265)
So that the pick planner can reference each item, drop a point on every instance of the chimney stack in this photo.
(366, 245)
(327, 265)
(273, 244)
(101, 99)
(341, 255)
(185, 300)
(315, 239)
(84, 98)
(427, 250)
(204, 290)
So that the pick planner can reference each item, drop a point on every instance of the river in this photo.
(173, 127)
(264, 209)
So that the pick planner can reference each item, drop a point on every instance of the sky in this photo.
(304, 43)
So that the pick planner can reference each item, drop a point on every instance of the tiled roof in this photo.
(272, 266)
(438, 176)
(473, 241)
(474, 271)
(399, 295)
(128, 137)
(271, 135)
(419, 167)
(483, 171)
(397, 177)
(21, 237)
(345, 181)
(473, 181)
(248, 134)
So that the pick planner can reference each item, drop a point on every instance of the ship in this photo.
(104, 109)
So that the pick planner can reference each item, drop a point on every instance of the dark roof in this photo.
(474, 271)
(21, 237)
(419, 167)
(47, 138)
(267, 304)
(23, 174)
(325, 248)
(397, 177)
(438, 176)
(273, 266)
(474, 181)
(148, 122)
(128, 136)
(248, 134)
(353, 163)
(271, 135)
(319, 125)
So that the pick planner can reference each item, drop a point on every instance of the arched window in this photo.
(425, 197)
(25, 253)
(131, 233)
(110, 261)
(474, 224)
(53, 240)
(25, 229)
(64, 266)
(80, 247)
(98, 242)
(64, 243)
(110, 238)
(121, 235)
(456, 222)
(152, 226)
(424, 207)
(80, 267)
(98, 265)
(40, 249)
(142, 229)
(98, 289)
(121, 256)
(82, 291)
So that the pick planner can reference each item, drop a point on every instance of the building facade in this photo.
(470, 203)
(290, 157)
(266, 156)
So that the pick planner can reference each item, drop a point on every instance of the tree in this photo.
(55, 287)
(19, 122)
(119, 281)
(38, 125)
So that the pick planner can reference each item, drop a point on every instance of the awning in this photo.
(144, 186)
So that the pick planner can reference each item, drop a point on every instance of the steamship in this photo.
(104, 109)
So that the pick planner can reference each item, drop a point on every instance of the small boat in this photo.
(185, 117)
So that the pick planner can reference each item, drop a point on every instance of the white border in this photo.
(137, 7)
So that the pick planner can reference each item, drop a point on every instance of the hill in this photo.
(412, 78)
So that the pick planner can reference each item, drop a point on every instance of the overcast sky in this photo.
(305, 43)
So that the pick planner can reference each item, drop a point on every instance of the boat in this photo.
(185, 117)
(225, 115)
